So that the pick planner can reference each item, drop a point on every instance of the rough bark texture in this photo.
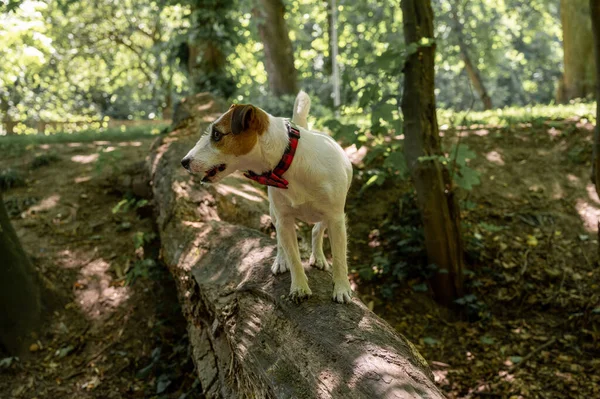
(595, 13)
(279, 53)
(472, 70)
(247, 339)
(578, 77)
(439, 210)
(20, 307)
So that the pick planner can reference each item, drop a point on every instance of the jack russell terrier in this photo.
(308, 175)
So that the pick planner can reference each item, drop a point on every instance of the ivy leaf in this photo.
(430, 341)
(463, 153)
(397, 162)
(466, 178)
(487, 340)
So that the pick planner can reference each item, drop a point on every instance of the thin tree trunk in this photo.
(595, 13)
(20, 307)
(279, 53)
(578, 77)
(472, 70)
(335, 77)
(435, 196)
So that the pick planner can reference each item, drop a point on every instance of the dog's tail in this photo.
(301, 108)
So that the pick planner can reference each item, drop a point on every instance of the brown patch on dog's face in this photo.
(237, 131)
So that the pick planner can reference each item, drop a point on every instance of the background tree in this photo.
(595, 18)
(20, 308)
(278, 50)
(578, 77)
(435, 197)
(207, 45)
(470, 67)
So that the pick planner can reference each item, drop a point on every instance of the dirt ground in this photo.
(528, 328)
(531, 317)
(116, 329)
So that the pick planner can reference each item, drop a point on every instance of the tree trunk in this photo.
(20, 307)
(578, 77)
(279, 53)
(435, 195)
(335, 77)
(595, 12)
(472, 70)
(248, 340)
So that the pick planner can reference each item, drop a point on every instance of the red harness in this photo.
(274, 177)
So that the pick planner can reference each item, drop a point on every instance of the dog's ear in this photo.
(242, 118)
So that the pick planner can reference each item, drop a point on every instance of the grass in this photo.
(502, 117)
(18, 143)
(509, 116)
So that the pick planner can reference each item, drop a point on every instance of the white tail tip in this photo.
(301, 109)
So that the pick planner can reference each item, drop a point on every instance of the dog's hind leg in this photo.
(286, 236)
(342, 292)
(279, 265)
(317, 257)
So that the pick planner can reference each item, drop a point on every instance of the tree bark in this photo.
(247, 339)
(578, 77)
(595, 14)
(279, 53)
(435, 195)
(472, 70)
(20, 307)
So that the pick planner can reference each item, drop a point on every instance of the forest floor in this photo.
(528, 327)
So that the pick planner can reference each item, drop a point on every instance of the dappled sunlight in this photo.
(589, 214)
(44, 205)
(573, 179)
(249, 328)
(95, 292)
(554, 132)
(557, 190)
(253, 251)
(74, 145)
(397, 382)
(356, 155)
(227, 190)
(101, 143)
(592, 194)
(495, 157)
(82, 179)
(85, 159)
(194, 250)
(130, 144)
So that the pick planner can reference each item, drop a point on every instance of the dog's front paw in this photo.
(300, 292)
(279, 265)
(319, 261)
(342, 292)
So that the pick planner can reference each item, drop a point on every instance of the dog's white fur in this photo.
(319, 178)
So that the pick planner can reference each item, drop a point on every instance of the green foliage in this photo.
(109, 159)
(10, 178)
(127, 204)
(44, 160)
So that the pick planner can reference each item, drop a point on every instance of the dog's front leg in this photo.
(342, 292)
(286, 237)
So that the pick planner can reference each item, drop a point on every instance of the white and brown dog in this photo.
(308, 175)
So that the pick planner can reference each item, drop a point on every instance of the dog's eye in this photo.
(216, 135)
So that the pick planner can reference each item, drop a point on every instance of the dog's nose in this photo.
(185, 162)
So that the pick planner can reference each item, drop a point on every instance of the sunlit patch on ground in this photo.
(85, 159)
(95, 292)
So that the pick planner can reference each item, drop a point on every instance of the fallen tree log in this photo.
(247, 338)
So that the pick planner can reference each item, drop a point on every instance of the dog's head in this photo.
(221, 150)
